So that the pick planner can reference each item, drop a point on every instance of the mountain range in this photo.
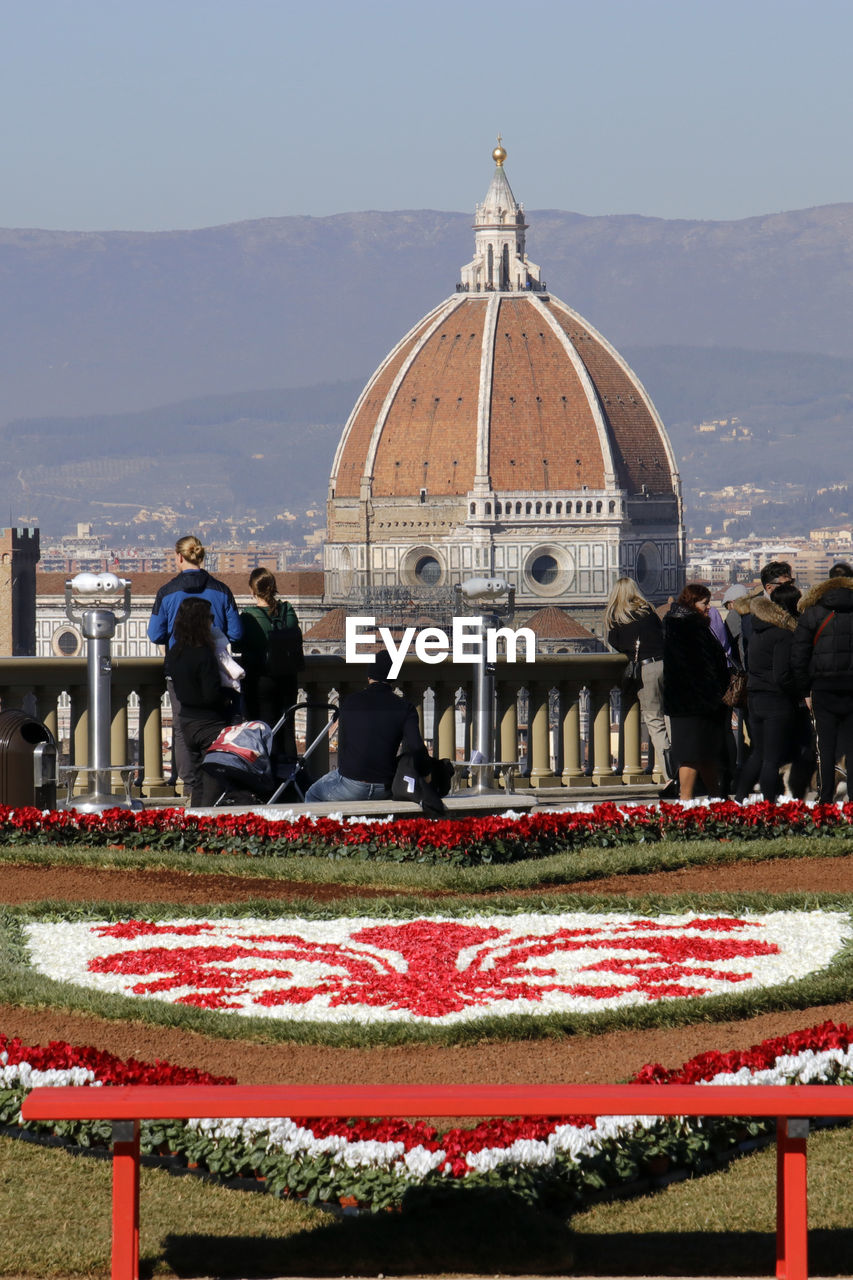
(229, 357)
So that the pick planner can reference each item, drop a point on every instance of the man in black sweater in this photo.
(373, 725)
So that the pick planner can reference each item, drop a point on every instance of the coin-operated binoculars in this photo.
(91, 600)
(489, 599)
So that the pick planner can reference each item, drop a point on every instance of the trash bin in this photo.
(27, 761)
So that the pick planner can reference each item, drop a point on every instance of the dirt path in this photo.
(20, 884)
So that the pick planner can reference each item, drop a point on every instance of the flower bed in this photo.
(374, 1163)
(437, 971)
(491, 839)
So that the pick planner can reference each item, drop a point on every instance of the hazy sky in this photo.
(154, 114)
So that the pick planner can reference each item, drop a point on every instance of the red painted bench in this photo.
(126, 1105)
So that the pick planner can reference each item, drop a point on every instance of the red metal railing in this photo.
(126, 1105)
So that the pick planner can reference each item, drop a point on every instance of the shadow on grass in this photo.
(725, 1253)
(480, 1232)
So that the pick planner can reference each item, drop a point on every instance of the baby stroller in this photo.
(243, 760)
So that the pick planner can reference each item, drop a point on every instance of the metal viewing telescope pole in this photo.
(483, 594)
(88, 598)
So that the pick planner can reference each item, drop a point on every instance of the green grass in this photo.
(724, 1223)
(588, 864)
(55, 1222)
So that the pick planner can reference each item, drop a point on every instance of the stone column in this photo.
(151, 741)
(602, 772)
(632, 771)
(538, 737)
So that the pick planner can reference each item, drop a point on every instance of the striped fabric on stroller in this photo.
(242, 757)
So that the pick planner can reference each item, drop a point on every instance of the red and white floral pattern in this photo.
(437, 970)
(407, 1152)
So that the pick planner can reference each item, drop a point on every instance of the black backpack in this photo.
(284, 651)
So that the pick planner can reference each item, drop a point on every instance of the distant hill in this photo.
(104, 322)
(261, 451)
(267, 451)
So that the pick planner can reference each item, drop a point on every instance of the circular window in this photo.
(648, 567)
(428, 571)
(66, 643)
(549, 570)
(422, 566)
(544, 570)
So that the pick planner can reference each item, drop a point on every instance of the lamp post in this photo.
(90, 601)
(494, 599)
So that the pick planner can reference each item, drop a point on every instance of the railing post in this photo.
(539, 736)
(570, 725)
(602, 772)
(79, 726)
(444, 716)
(632, 767)
(151, 740)
(791, 1199)
(118, 731)
(125, 1261)
(507, 703)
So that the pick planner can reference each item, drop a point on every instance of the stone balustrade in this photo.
(568, 705)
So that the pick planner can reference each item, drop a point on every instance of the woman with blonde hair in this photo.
(191, 582)
(271, 654)
(633, 627)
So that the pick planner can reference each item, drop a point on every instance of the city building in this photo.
(19, 555)
(56, 636)
(504, 436)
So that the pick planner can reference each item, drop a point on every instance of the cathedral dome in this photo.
(504, 434)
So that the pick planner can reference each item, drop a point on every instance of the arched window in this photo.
(598, 508)
(528, 509)
(547, 508)
(538, 508)
(488, 508)
(589, 508)
(558, 509)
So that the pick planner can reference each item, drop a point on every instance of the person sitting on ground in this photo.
(372, 727)
(192, 667)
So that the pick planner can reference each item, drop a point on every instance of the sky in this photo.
(163, 114)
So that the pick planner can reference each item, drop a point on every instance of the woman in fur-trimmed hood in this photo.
(822, 659)
(779, 726)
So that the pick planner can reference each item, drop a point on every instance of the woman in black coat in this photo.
(695, 677)
(778, 721)
(191, 664)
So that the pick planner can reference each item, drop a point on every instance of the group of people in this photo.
(796, 653)
(222, 665)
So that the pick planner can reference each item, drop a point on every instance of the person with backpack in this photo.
(822, 661)
(192, 582)
(271, 655)
(192, 668)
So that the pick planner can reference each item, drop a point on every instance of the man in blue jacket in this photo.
(191, 581)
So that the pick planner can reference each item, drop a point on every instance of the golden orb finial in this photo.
(499, 155)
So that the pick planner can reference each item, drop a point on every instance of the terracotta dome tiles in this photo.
(429, 440)
(351, 464)
(639, 451)
(543, 436)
